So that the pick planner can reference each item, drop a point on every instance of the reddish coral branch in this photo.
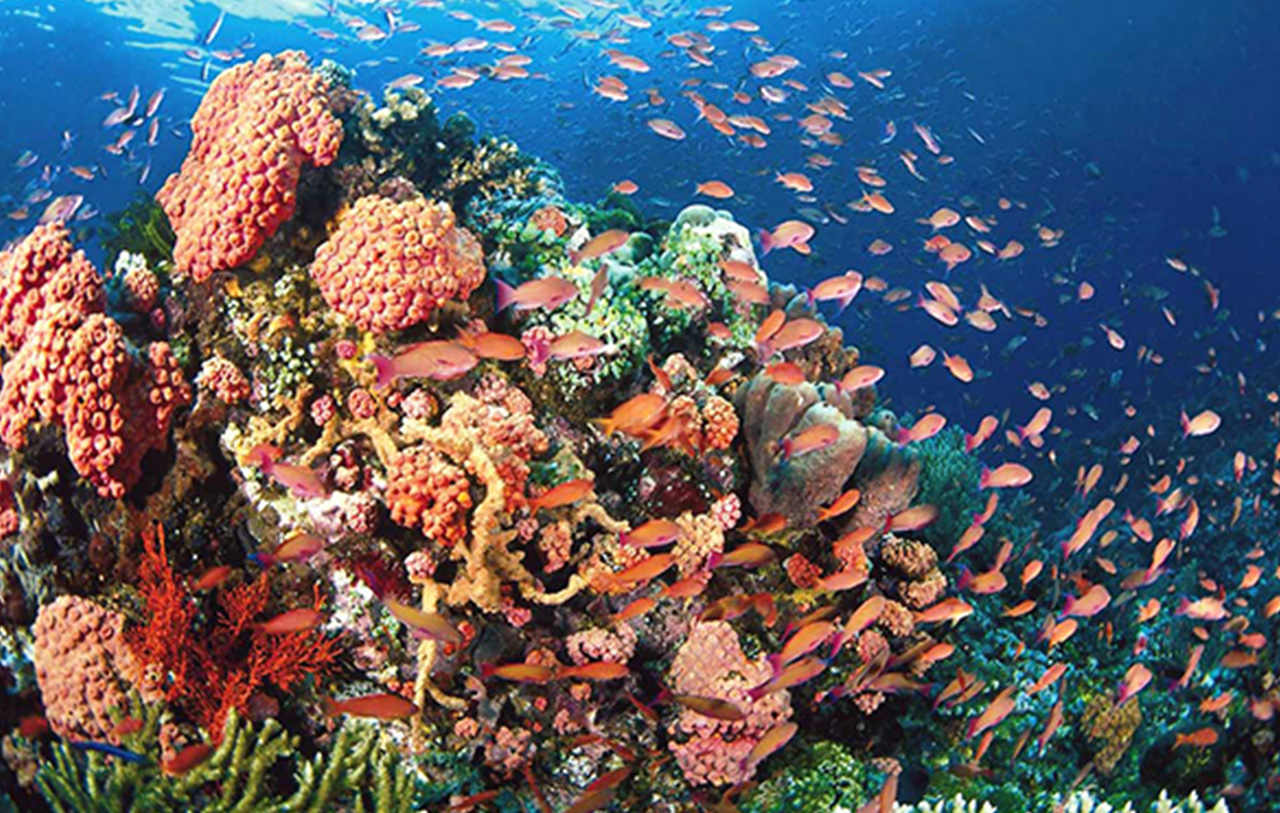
(211, 670)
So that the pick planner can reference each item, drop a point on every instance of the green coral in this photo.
(949, 480)
(360, 769)
(821, 776)
(140, 228)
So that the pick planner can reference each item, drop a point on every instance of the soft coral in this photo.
(213, 669)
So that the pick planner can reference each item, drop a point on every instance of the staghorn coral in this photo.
(358, 767)
(390, 264)
(259, 124)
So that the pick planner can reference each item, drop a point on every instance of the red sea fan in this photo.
(221, 665)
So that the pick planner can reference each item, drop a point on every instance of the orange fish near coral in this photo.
(564, 494)
(600, 245)
(298, 620)
(374, 706)
(813, 439)
(424, 624)
(1008, 475)
(301, 481)
(437, 360)
(547, 293)
(186, 759)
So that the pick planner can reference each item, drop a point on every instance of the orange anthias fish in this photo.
(813, 439)
(842, 504)
(597, 670)
(186, 759)
(376, 706)
(653, 534)
(424, 624)
(566, 493)
(298, 620)
(800, 672)
(518, 672)
(1135, 680)
(1200, 738)
(994, 714)
(437, 360)
(601, 244)
(302, 481)
(1007, 475)
(547, 293)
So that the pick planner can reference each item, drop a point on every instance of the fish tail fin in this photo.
(385, 374)
(263, 455)
(966, 578)
(810, 302)
(968, 442)
(1186, 423)
(775, 662)
(766, 242)
(714, 559)
(984, 479)
(331, 708)
(506, 294)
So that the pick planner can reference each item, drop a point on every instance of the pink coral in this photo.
(224, 379)
(389, 264)
(426, 491)
(727, 510)
(719, 422)
(9, 518)
(537, 347)
(711, 663)
(803, 573)
(142, 288)
(259, 124)
(503, 419)
(555, 542)
(42, 273)
(702, 536)
(599, 644)
(83, 666)
(82, 377)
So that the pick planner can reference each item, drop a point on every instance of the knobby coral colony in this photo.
(308, 512)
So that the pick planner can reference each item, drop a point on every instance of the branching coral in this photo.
(210, 670)
(359, 767)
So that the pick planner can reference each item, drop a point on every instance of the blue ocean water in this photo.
(1126, 125)
(1144, 131)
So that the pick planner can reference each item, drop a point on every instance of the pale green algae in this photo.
(1080, 801)
(360, 769)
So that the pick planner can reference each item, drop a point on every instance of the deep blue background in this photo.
(1171, 99)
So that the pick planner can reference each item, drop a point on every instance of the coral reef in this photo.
(257, 127)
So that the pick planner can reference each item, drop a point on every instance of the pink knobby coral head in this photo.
(389, 263)
(260, 123)
(711, 663)
(427, 492)
(40, 273)
(83, 667)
